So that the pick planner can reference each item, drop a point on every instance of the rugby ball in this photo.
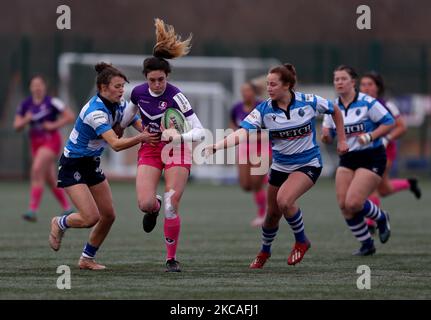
(177, 118)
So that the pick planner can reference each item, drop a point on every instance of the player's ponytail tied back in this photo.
(105, 72)
(168, 46)
(287, 74)
(290, 68)
(101, 66)
(168, 43)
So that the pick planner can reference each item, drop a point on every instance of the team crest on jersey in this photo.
(163, 105)
(274, 117)
(301, 112)
(358, 112)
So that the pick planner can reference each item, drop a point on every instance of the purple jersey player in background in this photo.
(45, 116)
(152, 99)
(249, 182)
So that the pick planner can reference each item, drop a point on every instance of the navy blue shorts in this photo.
(84, 170)
(371, 159)
(277, 178)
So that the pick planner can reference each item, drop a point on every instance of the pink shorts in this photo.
(391, 151)
(50, 140)
(164, 156)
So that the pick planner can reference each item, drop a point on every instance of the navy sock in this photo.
(62, 223)
(268, 236)
(297, 225)
(370, 210)
(359, 228)
(89, 251)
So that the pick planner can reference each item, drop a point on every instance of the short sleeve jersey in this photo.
(47, 110)
(363, 115)
(292, 132)
(94, 119)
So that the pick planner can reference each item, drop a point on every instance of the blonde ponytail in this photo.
(169, 44)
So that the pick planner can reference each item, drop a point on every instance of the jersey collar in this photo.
(111, 106)
(274, 104)
(155, 95)
(348, 106)
(353, 101)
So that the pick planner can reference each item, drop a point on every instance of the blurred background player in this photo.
(289, 116)
(372, 84)
(46, 116)
(249, 182)
(152, 99)
(80, 173)
(361, 169)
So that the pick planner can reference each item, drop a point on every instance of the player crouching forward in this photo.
(289, 117)
(80, 174)
(152, 99)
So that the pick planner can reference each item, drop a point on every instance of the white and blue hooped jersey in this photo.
(292, 132)
(94, 119)
(363, 115)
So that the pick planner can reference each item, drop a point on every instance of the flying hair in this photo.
(169, 44)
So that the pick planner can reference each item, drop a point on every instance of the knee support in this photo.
(170, 211)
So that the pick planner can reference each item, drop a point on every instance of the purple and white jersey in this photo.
(391, 107)
(47, 110)
(152, 107)
(238, 113)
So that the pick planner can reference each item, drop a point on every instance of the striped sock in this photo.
(297, 225)
(359, 228)
(268, 236)
(89, 251)
(370, 210)
(375, 200)
(62, 223)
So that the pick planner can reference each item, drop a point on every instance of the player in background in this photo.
(250, 182)
(289, 117)
(372, 83)
(152, 99)
(46, 116)
(80, 173)
(361, 169)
